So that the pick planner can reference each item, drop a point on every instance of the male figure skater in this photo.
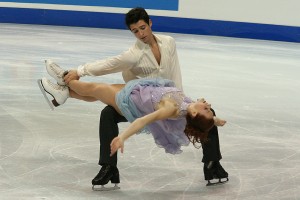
(152, 55)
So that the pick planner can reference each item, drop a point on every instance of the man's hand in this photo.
(116, 144)
(72, 75)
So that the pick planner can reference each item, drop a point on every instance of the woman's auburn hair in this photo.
(197, 128)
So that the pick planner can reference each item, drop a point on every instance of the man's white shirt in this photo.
(139, 62)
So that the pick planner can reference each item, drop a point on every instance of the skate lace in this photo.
(56, 86)
(56, 68)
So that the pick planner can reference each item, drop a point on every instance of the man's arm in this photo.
(110, 65)
(163, 113)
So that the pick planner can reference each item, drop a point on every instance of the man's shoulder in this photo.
(164, 37)
(166, 41)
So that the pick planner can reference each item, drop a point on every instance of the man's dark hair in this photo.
(136, 14)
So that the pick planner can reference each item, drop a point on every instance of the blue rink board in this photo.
(147, 4)
(162, 24)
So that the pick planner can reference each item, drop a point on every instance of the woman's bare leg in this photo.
(103, 92)
(74, 95)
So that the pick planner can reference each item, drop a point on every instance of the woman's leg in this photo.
(103, 92)
(74, 95)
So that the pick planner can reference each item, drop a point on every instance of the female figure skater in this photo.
(154, 105)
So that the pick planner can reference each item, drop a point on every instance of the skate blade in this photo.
(103, 188)
(220, 182)
(39, 81)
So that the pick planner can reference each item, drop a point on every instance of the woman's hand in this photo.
(219, 122)
(116, 144)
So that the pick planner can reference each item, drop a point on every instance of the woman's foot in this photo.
(58, 92)
(56, 72)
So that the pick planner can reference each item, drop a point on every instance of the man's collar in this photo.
(157, 38)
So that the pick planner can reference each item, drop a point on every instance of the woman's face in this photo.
(203, 108)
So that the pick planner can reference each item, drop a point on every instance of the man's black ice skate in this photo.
(220, 173)
(208, 171)
(214, 170)
(107, 173)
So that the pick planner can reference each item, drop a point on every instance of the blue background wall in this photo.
(167, 15)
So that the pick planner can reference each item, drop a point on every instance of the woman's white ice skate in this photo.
(56, 72)
(59, 93)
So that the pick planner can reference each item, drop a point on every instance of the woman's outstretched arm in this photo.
(164, 112)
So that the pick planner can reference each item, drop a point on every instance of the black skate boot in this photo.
(220, 173)
(208, 171)
(214, 170)
(107, 173)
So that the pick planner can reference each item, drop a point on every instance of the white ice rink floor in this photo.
(252, 84)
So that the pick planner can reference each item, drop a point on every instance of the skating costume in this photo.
(137, 62)
(142, 96)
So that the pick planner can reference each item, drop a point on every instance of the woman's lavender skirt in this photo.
(135, 101)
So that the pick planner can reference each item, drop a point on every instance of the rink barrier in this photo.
(161, 24)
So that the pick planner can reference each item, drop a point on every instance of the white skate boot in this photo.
(56, 72)
(59, 93)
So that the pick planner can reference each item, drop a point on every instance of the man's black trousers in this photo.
(108, 130)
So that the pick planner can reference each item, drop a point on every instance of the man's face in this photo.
(142, 31)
